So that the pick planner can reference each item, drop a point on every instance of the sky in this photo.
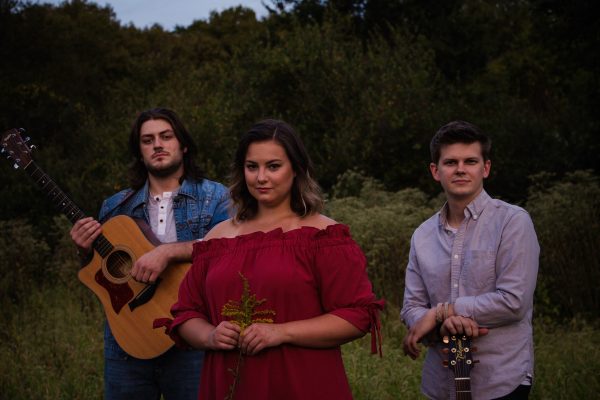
(169, 13)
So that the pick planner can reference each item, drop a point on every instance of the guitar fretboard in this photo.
(62, 202)
(463, 388)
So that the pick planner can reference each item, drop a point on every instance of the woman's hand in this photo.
(224, 336)
(259, 336)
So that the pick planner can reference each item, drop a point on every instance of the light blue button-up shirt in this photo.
(488, 270)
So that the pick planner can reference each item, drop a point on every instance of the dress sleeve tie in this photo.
(374, 309)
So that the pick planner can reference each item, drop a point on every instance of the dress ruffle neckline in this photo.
(304, 233)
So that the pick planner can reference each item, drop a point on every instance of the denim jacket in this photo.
(197, 207)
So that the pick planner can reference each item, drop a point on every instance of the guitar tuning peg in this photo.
(16, 166)
(445, 363)
(27, 139)
(21, 130)
(473, 348)
(445, 351)
(475, 361)
(32, 147)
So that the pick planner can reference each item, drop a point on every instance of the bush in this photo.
(23, 258)
(566, 214)
(382, 223)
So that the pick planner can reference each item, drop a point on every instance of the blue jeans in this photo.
(174, 374)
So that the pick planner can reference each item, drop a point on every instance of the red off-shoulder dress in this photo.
(302, 273)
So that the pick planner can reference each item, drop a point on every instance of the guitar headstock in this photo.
(460, 358)
(15, 148)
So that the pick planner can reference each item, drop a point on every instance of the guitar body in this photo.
(109, 278)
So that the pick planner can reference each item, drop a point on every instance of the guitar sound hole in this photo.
(118, 264)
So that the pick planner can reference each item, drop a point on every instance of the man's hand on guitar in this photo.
(456, 324)
(84, 232)
(149, 266)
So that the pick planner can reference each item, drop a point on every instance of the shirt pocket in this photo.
(479, 269)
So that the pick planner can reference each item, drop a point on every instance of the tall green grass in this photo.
(52, 349)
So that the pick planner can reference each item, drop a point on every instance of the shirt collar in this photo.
(140, 197)
(473, 209)
(187, 188)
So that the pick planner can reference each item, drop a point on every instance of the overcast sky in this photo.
(168, 13)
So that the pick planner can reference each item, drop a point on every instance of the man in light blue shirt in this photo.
(472, 269)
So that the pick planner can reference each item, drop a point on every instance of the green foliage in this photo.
(566, 214)
(382, 224)
(567, 361)
(52, 346)
(366, 83)
(23, 261)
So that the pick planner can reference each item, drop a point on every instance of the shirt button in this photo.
(475, 217)
(456, 256)
(456, 285)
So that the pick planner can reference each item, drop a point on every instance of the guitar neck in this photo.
(65, 205)
(463, 387)
(460, 361)
(60, 200)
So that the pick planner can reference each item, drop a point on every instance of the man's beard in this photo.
(164, 171)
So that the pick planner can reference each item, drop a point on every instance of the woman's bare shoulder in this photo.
(318, 221)
(225, 229)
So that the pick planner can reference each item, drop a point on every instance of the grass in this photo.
(52, 349)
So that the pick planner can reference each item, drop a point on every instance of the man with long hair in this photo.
(169, 193)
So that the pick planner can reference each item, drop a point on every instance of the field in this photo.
(52, 349)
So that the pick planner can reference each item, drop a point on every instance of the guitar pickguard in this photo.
(120, 293)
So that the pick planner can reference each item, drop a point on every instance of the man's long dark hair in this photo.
(137, 170)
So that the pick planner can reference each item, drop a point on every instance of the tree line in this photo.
(365, 82)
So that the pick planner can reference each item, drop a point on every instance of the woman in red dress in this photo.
(274, 291)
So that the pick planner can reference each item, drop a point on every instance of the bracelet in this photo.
(439, 310)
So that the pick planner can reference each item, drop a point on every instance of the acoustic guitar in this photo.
(130, 306)
(460, 361)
